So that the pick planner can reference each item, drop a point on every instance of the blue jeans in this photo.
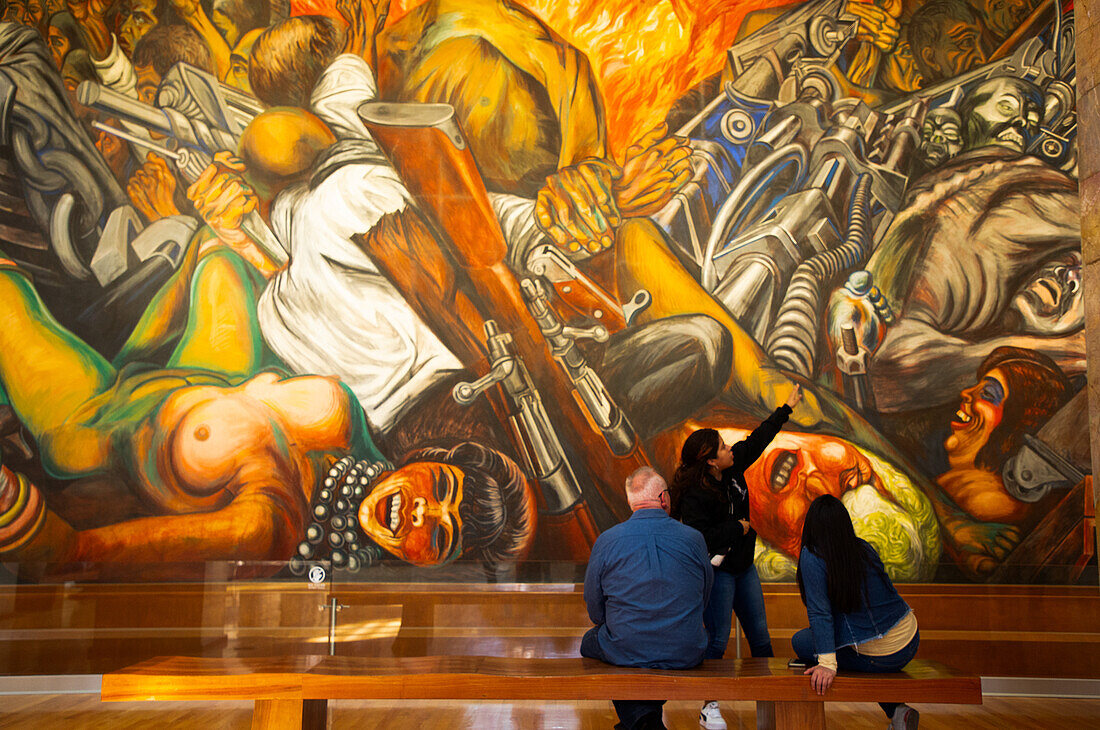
(633, 714)
(738, 593)
(851, 661)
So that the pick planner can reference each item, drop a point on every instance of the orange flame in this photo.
(645, 53)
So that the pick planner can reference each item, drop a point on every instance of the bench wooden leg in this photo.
(765, 715)
(797, 715)
(290, 715)
(315, 715)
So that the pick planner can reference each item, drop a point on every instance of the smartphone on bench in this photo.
(797, 664)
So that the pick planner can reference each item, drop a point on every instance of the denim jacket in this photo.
(833, 630)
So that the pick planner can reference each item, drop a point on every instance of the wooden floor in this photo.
(86, 712)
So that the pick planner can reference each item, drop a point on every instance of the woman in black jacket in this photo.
(708, 493)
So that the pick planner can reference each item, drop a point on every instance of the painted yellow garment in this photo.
(527, 98)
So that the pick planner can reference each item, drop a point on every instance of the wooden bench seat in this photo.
(292, 692)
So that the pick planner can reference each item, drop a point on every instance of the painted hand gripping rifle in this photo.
(209, 124)
(555, 406)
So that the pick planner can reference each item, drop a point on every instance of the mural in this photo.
(421, 284)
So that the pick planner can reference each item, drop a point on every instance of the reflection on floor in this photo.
(53, 712)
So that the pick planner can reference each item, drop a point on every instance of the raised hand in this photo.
(365, 21)
(878, 22)
(187, 9)
(795, 396)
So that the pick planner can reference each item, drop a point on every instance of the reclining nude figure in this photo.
(213, 456)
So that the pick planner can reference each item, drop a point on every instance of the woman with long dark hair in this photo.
(858, 622)
(708, 492)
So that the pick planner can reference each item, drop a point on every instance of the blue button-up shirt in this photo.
(647, 581)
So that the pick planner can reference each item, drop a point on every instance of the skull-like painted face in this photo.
(1050, 303)
(1003, 111)
(941, 137)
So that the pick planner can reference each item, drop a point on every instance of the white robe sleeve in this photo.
(346, 83)
(116, 72)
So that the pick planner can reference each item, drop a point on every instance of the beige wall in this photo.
(1087, 22)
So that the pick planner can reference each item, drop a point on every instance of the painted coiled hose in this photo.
(793, 340)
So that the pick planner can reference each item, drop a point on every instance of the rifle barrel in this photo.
(97, 96)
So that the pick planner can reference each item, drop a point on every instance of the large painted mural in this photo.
(420, 284)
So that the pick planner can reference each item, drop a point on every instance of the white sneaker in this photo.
(711, 718)
(905, 718)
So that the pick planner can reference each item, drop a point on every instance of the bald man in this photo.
(646, 584)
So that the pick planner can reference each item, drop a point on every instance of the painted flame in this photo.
(645, 53)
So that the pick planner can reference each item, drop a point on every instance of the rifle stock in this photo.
(429, 152)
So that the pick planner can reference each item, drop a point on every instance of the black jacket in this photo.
(715, 507)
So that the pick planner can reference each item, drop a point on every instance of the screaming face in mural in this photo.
(1004, 111)
(888, 509)
(467, 502)
(1019, 219)
(1016, 392)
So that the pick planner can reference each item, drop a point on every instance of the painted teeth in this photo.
(1011, 135)
(961, 417)
(395, 511)
(781, 474)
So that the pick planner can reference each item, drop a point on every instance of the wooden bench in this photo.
(293, 692)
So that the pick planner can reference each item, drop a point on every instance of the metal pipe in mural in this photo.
(419, 285)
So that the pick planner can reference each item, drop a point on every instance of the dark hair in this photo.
(288, 59)
(927, 26)
(497, 508)
(1037, 388)
(67, 26)
(828, 533)
(79, 62)
(163, 11)
(166, 45)
(247, 15)
(700, 447)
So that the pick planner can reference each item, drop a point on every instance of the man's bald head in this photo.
(645, 487)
